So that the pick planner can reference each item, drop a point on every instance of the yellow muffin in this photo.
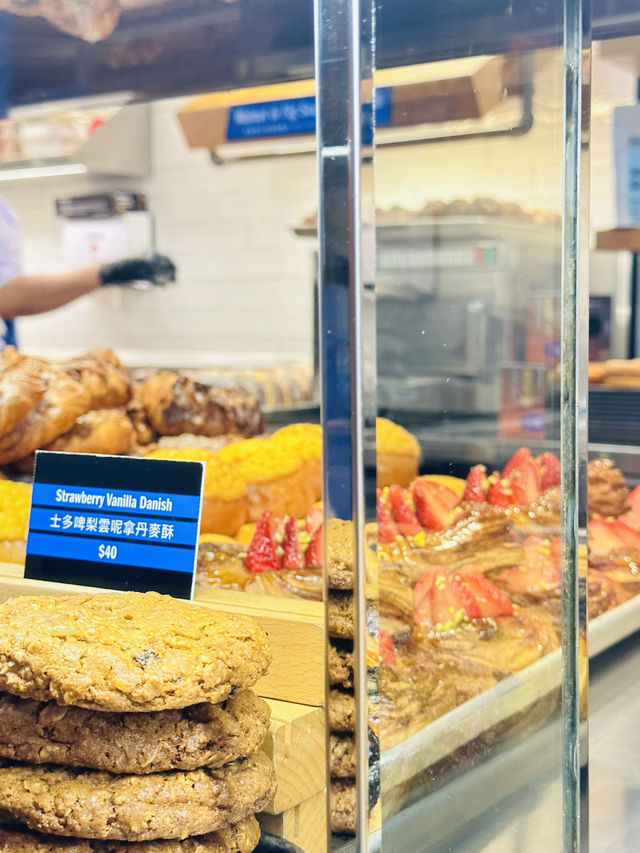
(398, 454)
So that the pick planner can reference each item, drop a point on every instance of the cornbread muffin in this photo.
(198, 736)
(15, 503)
(126, 651)
(275, 478)
(398, 454)
(224, 498)
(92, 804)
(241, 837)
(304, 441)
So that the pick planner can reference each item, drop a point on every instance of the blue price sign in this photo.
(290, 117)
(116, 522)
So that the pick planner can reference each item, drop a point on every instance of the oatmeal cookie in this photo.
(201, 735)
(93, 804)
(126, 651)
(241, 837)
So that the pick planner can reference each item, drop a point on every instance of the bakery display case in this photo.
(437, 557)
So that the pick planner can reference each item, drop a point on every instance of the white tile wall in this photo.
(245, 285)
(244, 291)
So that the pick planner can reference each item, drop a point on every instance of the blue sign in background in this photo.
(78, 533)
(289, 117)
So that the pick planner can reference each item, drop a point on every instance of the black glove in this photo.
(157, 269)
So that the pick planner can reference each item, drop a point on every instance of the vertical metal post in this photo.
(344, 90)
(573, 415)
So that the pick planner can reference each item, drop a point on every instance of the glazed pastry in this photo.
(540, 517)
(479, 533)
(607, 489)
(175, 404)
(292, 583)
(64, 400)
(99, 431)
(144, 432)
(221, 564)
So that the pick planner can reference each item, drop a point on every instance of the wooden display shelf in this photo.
(619, 240)
(295, 628)
(296, 745)
(304, 824)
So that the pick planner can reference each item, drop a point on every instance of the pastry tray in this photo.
(509, 697)
(484, 785)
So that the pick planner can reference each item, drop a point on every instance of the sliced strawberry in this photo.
(519, 458)
(403, 511)
(434, 504)
(313, 519)
(387, 648)
(292, 554)
(488, 599)
(632, 517)
(525, 483)
(500, 492)
(422, 596)
(629, 537)
(603, 537)
(549, 467)
(441, 600)
(313, 554)
(387, 528)
(262, 553)
(477, 485)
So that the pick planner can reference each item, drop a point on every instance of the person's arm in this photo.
(34, 294)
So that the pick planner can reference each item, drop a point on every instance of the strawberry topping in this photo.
(292, 555)
(262, 553)
(477, 485)
(519, 458)
(525, 483)
(387, 528)
(632, 517)
(387, 648)
(500, 492)
(434, 504)
(549, 466)
(313, 554)
(443, 601)
(403, 511)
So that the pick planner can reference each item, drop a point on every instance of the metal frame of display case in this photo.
(344, 64)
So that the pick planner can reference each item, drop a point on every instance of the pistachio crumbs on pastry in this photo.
(126, 651)
(241, 837)
(201, 735)
(92, 804)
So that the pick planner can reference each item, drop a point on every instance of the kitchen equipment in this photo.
(455, 302)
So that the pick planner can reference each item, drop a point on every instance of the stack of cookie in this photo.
(341, 712)
(126, 724)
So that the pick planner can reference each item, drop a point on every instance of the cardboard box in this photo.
(416, 94)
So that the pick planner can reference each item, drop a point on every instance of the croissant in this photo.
(99, 431)
(104, 378)
(175, 404)
(21, 389)
(64, 400)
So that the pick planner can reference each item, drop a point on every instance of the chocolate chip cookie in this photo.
(126, 651)
(241, 837)
(93, 804)
(201, 735)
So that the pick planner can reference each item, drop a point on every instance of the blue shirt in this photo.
(10, 261)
